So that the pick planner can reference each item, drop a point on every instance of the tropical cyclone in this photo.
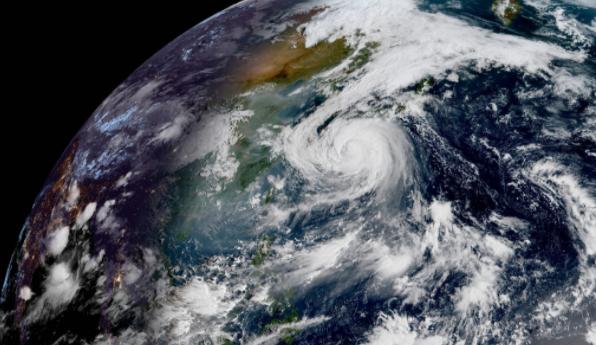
(329, 172)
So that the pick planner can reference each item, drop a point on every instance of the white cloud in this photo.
(416, 44)
(104, 210)
(58, 240)
(215, 135)
(61, 285)
(106, 218)
(482, 290)
(173, 130)
(197, 308)
(277, 333)
(498, 247)
(441, 213)
(581, 206)
(390, 263)
(128, 337)
(59, 288)
(131, 273)
(25, 293)
(124, 180)
(73, 194)
(350, 158)
(311, 263)
(87, 213)
(91, 263)
(397, 330)
(591, 334)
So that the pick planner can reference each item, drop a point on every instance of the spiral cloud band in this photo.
(349, 158)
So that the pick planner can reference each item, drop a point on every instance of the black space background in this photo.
(63, 61)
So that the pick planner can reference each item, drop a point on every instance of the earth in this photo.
(329, 172)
